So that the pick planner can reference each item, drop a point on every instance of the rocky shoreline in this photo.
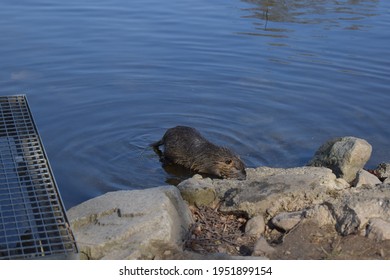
(332, 208)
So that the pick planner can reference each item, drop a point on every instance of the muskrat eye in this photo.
(228, 161)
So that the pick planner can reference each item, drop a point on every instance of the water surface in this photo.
(271, 79)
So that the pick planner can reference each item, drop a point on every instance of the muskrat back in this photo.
(186, 146)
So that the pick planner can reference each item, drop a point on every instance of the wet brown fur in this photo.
(187, 147)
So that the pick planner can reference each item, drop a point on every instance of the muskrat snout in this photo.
(241, 175)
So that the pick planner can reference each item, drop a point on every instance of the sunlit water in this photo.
(271, 79)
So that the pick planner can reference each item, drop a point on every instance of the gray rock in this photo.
(130, 224)
(287, 220)
(378, 229)
(348, 221)
(198, 191)
(365, 178)
(255, 226)
(383, 170)
(367, 202)
(320, 214)
(262, 248)
(345, 156)
(273, 190)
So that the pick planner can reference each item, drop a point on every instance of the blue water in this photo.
(271, 79)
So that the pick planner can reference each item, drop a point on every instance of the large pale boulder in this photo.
(137, 224)
(345, 156)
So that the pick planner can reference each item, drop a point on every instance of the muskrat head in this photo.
(230, 167)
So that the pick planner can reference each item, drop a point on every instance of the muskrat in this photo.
(187, 147)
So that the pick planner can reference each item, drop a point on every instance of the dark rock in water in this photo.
(344, 155)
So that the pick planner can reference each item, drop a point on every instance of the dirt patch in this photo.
(308, 241)
(217, 232)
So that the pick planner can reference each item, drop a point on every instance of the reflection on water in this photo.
(271, 79)
(329, 14)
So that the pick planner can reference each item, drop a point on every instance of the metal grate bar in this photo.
(33, 222)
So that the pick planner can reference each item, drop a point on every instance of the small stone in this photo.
(378, 229)
(167, 253)
(198, 191)
(255, 226)
(320, 214)
(262, 247)
(287, 220)
(348, 221)
(383, 170)
(365, 178)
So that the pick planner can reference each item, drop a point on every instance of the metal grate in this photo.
(33, 221)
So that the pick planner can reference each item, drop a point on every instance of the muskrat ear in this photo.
(228, 161)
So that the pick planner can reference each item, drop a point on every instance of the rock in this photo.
(255, 226)
(286, 221)
(198, 191)
(262, 248)
(365, 178)
(383, 171)
(273, 190)
(320, 214)
(367, 202)
(378, 229)
(345, 156)
(137, 224)
(341, 184)
(348, 221)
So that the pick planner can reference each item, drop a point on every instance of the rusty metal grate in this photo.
(33, 221)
